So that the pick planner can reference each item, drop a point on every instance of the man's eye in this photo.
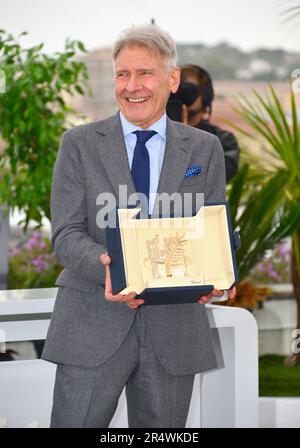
(121, 75)
(146, 73)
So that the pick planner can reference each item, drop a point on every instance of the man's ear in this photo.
(174, 79)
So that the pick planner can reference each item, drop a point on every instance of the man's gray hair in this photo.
(151, 37)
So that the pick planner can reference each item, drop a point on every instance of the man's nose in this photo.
(133, 83)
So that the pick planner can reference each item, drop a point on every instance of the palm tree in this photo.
(291, 13)
(256, 213)
(277, 171)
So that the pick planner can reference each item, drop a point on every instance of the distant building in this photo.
(260, 66)
(102, 103)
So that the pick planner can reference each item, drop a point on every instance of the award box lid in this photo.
(172, 259)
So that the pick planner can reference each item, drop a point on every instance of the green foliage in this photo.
(260, 221)
(33, 114)
(33, 264)
(277, 380)
(264, 200)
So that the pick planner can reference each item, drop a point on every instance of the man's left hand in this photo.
(218, 293)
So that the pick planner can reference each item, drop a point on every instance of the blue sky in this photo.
(247, 24)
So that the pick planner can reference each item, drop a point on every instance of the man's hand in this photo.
(129, 298)
(218, 293)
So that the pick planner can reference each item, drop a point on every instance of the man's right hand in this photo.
(129, 298)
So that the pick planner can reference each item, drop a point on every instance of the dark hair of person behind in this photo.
(206, 90)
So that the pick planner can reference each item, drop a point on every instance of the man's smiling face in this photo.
(143, 84)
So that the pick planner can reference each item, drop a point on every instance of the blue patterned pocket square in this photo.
(194, 170)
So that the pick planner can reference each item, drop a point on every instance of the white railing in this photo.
(224, 397)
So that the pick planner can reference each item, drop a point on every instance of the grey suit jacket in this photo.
(85, 329)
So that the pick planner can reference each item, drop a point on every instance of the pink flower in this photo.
(39, 264)
(42, 245)
(15, 251)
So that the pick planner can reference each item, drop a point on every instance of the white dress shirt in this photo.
(155, 146)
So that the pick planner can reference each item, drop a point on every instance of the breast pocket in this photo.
(191, 190)
(193, 184)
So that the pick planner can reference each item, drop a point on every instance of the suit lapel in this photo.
(176, 159)
(114, 154)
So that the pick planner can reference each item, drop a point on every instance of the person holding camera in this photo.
(192, 104)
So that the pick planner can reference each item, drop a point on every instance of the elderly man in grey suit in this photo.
(102, 342)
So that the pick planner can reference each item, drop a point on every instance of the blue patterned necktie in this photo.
(140, 169)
